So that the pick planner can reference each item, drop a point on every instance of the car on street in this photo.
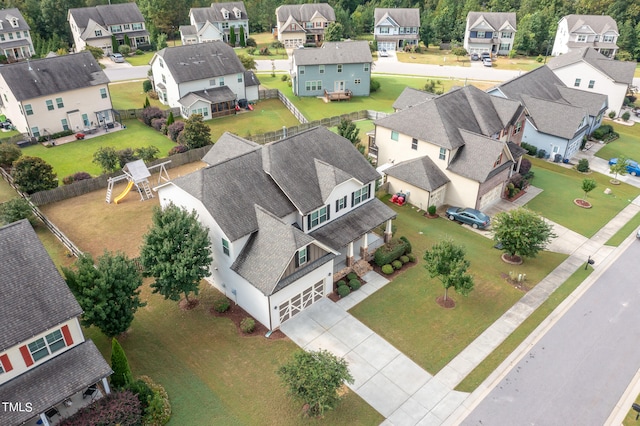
(487, 62)
(632, 166)
(383, 53)
(473, 217)
(117, 57)
(475, 57)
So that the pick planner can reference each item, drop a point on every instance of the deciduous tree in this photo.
(619, 169)
(15, 210)
(446, 261)
(521, 232)
(33, 174)
(176, 252)
(247, 62)
(9, 153)
(196, 133)
(333, 32)
(588, 185)
(108, 292)
(107, 158)
(348, 130)
(314, 378)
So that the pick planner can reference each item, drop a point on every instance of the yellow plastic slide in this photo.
(124, 193)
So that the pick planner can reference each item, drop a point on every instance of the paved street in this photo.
(577, 372)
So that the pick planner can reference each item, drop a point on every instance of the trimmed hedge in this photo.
(389, 252)
(407, 245)
(352, 276)
(122, 408)
(396, 264)
(247, 325)
(411, 257)
(355, 284)
(531, 149)
(404, 259)
(343, 290)
(387, 269)
(221, 304)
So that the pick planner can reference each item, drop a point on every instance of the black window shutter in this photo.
(353, 198)
(369, 192)
(345, 201)
(297, 258)
(328, 211)
(309, 221)
(337, 208)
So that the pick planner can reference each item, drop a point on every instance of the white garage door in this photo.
(490, 197)
(388, 45)
(300, 301)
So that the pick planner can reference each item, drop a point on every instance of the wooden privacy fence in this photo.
(101, 182)
(73, 249)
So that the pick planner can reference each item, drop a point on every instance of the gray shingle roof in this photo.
(42, 77)
(344, 52)
(35, 297)
(186, 30)
(213, 95)
(404, 17)
(476, 159)
(108, 14)
(200, 61)
(541, 83)
(411, 97)
(544, 115)
(251, 79)
(5, 18)
(304, 12)
(439, 120)
(230, 189)
(497, 20)
(214, 13)
(291, 164)
(340, 232)
(618, 71)
(229, 146)
(598, 23)
(421, 172)
(593, 102)
(269, 251)
(51, 382)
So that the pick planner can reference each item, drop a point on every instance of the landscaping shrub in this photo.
(352, 276)
(14, 210)
(143, 392)
(387, 269)
(525, 167)
(149, 113)
(531, 150)
(247, 325)
(602, 131)
(158, 411)
(264, 51)
(117, 408)
(251, 42)
(389, 252)
(126, 155)
(626, 115)
(147, 153)
(251, 50)
(68, 180)
(407, 245)
(612, 114)
(33, 174)
(9, 153)
(396, 264)
(541, 153)
(341, 282)
(404, 259)
(173, 130)
(355, 285)
(431, 210)
(583, 165)
(374, 85)
(55, 135)
(158, 123)
(221, 304)
(411, 257)
(178, 149)
(343, 290)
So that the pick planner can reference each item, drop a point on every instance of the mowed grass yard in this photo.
(628, 144)
(382, 100)
(212, 374)
(405, 311)
(561, 185)
(129, 95)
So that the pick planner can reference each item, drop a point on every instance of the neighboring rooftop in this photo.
(10, 16)
(411, 97)
(214, 13)
(497, 20)
(403, 17)
(618, 71)
(305, 12)
(340, 52)
(587, 24)
(200, 61)
(107, 14)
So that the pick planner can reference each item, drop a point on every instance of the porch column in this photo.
(106, 386)
(364, 247)
(388, 232)
(519, 163)
(349, 259)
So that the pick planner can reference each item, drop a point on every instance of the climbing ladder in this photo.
(145, 190)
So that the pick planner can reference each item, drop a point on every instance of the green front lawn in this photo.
(629, 228)
(77, 156)
(137, 60)
(390, 88)
(628, 144)
(405, 311)
(562, 185)
(263, 40)
(129, 95)
(435, 56)
(491, 362)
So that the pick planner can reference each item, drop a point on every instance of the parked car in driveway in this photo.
(383, 53)
(484, 55)
(473, 217)
(475, 57)
(487, 62)
(632, 166)
(117, 57)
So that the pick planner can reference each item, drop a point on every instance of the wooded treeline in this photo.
(442, 20)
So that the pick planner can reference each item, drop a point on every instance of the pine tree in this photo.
(232, 37)
(122, 375)
(243, 41)
(170, 119)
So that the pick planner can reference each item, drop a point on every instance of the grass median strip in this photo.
(490, 363)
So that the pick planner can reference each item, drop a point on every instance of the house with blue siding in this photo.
(336, 67)
(491, 32)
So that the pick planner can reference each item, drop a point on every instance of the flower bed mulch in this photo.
(515, 284)
(236, 314)
(582, 203)
(378, 269)
(334, 296)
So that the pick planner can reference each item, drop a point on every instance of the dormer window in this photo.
(0, 25)
(498, 161)
(581, 38)
(238, 12)
(225, 13)
(360, 195)
(302, 256)
(318, 217)
(14, 22)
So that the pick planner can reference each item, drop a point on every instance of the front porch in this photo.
(356, 250)
(69, 406)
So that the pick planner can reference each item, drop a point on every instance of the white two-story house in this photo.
(300, 24)
(47, 368)
(47, 96)
(216, 23)
(459, 148)
(396, 27)
(204, 79)
(597, 31)
(491, 32)
(586, 69)
(279, 214)
(15, 36)
(96, 25)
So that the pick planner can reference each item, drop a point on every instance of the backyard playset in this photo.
(137, 174)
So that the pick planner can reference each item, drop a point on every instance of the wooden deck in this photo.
(337, 96)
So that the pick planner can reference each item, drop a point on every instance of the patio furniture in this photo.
(90, 392)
